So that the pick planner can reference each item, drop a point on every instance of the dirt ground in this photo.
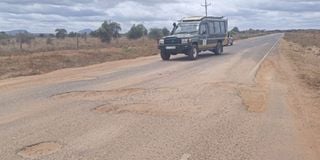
(298, 66)
(295, 65)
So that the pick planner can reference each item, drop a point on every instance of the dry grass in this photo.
(301, 49)
(305, 55)
(39, 60)
(308, 38)
(246, 35)
(11, 47)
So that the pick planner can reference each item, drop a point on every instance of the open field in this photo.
(39, 60)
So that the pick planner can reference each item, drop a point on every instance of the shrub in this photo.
(165, 31)
(137, 31)
(155, 33)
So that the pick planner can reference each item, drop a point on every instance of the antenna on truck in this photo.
(206, 7)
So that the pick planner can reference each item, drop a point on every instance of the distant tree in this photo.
(165, 31)
(41, 35)
(108, 31)
(61, 33)
(3, 35)
(94, 34)
(72, 34)
(137, 31)
(235, 30)
(155, 33)
(116, 28)
(22, 38)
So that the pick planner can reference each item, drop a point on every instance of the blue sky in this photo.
(47, 15)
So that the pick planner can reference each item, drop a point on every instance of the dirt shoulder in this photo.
(297, 67)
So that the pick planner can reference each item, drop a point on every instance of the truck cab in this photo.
(193, 35)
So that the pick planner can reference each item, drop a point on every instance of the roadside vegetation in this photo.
(305, 55)
(301, 49)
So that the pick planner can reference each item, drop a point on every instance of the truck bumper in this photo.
(175, 49)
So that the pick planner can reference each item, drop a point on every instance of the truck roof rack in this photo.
(199, 18)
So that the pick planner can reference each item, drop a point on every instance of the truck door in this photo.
(204, 34)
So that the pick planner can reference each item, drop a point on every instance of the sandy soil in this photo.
(299, 68)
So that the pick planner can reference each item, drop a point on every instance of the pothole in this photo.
(254, 98)
(39, 150)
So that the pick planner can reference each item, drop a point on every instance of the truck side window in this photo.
(211, 28)
(223, 28)
(203, 29)
(217, 27)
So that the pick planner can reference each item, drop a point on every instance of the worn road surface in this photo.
(147, 109)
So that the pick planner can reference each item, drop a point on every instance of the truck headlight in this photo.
(185, 41)
(161, 41)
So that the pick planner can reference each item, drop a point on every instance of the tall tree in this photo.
(235, 30)
(137, 31)
(108, 31)
(116, 28)
(61, 33)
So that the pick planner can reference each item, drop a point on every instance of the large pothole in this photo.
(254, 98)
(40, 149)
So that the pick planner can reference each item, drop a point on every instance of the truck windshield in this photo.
(184, 28)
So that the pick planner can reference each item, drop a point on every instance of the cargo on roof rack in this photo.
(200, 18)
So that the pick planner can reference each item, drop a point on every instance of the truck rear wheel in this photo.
(219, 49)
(165, 56)
(193, 53)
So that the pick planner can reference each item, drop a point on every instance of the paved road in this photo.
(147, 109)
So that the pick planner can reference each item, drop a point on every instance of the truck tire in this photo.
(219, 49)
(165, 56)
(193, 52)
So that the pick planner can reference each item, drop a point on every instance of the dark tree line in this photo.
(111, 30)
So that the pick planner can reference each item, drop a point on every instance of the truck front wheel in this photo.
(165, 55)
(193, 52)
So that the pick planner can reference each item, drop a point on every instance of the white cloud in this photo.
(46, 15)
